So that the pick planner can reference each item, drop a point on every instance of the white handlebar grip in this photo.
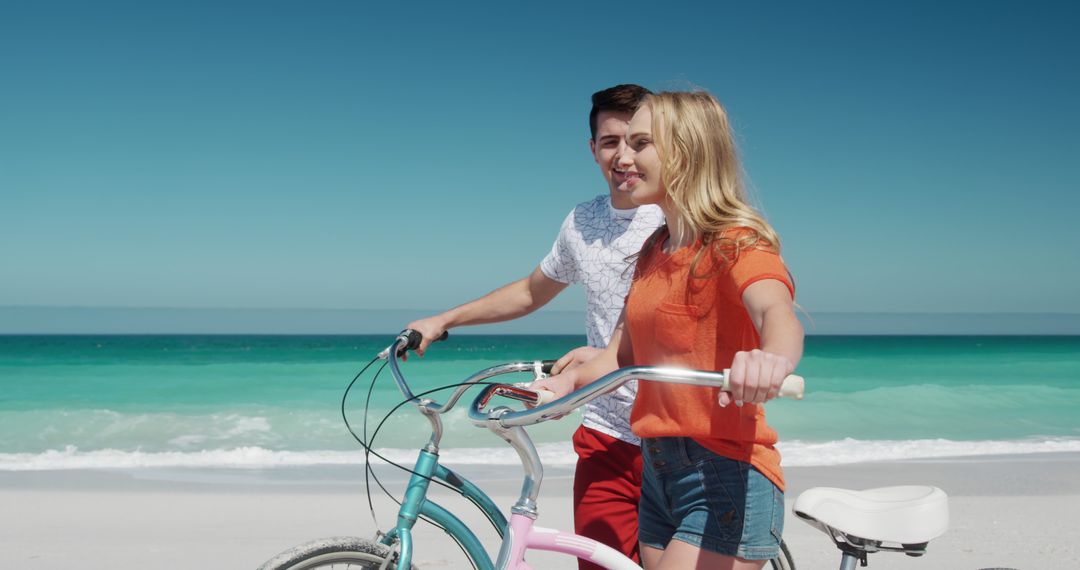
(793, 386)
(545, 396)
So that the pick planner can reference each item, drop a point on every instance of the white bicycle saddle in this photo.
(908, 514)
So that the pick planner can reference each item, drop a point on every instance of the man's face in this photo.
(610, 140)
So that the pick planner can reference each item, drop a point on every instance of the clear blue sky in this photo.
(915, 156)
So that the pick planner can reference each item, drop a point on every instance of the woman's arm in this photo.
(756, 375)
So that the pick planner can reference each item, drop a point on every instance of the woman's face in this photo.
(639, 162)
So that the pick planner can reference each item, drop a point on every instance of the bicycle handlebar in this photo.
(409, 339)
(792, 387)
(413, 338)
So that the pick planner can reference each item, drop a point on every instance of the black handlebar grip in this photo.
(413, 338)
(547, 365)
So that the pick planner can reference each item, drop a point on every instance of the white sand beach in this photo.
(1006, 512)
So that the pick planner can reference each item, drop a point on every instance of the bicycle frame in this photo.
(416, 504)
(524, 536)
(519, 534)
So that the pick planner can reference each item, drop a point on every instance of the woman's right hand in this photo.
(755, 377)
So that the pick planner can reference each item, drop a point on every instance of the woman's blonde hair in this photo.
(701, 172)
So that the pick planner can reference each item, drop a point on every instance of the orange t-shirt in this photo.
(700, 322)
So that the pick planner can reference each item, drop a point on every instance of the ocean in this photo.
(265, 402)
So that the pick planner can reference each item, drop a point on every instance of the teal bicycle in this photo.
(395, 548)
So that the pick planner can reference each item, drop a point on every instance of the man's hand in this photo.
(575, 358)
(755, 377)
(430, 328)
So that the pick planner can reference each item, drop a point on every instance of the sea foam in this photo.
(795, 453)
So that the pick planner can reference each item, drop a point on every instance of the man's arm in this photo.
(506, 303)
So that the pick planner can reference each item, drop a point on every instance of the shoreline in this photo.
(1054, 476)
(1006, 511)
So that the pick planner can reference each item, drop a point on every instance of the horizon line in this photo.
(239, 320)
(435, 311)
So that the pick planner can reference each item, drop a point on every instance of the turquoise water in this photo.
(86, 401)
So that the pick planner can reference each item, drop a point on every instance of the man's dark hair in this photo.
(623, 98)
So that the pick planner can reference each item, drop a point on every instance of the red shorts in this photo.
(607, 488)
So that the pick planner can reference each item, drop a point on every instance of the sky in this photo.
(915, 157)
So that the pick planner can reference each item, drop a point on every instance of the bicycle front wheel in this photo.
(338, 553)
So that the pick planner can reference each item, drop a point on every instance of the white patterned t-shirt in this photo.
(592, 249)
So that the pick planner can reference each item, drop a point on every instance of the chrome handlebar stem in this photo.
(432, 409)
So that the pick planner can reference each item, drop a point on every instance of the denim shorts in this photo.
(718, 504)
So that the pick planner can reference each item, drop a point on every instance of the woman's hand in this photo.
(755, 377)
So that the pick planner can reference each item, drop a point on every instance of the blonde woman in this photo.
(710, 292)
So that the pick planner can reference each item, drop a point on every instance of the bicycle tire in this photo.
(352, 552)
(784, 561)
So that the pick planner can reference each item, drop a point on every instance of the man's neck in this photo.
(622, 202)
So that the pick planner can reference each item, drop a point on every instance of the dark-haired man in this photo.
(592, 248)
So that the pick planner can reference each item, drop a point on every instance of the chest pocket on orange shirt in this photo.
(676, 326)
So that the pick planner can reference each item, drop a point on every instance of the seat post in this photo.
(849, 561)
